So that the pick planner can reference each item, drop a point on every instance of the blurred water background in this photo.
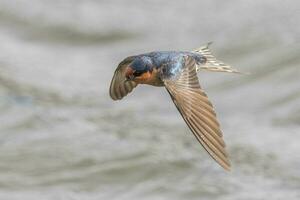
(62, 137)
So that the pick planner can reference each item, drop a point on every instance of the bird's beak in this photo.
(129, 78)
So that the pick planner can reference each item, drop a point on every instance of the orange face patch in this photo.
(149, 77)
(128, 72)
(144, 78)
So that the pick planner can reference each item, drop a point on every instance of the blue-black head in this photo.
(138, 66)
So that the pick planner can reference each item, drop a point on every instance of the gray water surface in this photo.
(62, 137)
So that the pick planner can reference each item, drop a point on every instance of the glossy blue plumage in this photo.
(171, 61)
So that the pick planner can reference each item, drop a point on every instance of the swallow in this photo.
(177, 72)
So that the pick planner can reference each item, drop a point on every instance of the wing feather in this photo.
(197, 111)
(119, 86)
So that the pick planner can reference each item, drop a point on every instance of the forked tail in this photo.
(212, 64)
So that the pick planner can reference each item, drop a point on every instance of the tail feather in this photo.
(212, 64)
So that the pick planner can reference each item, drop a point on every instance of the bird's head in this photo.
(139, 70)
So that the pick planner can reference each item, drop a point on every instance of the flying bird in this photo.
(177, 72)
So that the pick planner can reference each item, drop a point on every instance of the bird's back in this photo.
(160, 58)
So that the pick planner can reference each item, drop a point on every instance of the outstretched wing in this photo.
(119, 86)
(197, 111)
